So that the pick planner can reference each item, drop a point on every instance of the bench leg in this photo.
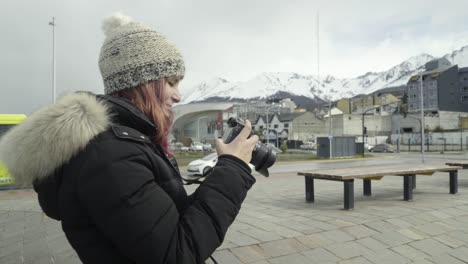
(309, 189)
(367, 188)
(348, 194)
(453, 182)
(414, 181)
(408, 187)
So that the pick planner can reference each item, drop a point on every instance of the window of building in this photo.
(464, 98)
(464, 89)
(261, 127)
(275, 126)
(286, 125)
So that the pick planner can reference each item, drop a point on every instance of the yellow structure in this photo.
(356, 105)
(7, 122)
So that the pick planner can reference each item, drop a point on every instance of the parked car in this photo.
(307, 146)
(207, 147)
(382, 148)
(184, 148)
(202, 166)
(196, 146)
(368, 146)
(176, 146)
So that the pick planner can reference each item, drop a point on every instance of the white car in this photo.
(203, 165)
(307, 146)
(196, 146)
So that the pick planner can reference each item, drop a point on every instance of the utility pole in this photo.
(422, 118)
(399, 127)
(52, 23)
(330, 131)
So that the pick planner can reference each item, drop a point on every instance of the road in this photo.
(378, 158)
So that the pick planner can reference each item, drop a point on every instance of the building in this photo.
(445, 88)
(445, 97)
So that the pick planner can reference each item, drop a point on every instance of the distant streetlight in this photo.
(52, 23)
(422, 118)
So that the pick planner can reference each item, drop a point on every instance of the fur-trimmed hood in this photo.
(51, 136)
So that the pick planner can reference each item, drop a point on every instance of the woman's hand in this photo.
(241, 146)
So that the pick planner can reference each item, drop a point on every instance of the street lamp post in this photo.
(52, 23)
(363, 116)
(422, 118)
(399, 128)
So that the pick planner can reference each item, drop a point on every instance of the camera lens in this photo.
(262, 158)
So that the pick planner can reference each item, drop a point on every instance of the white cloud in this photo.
(232, 39)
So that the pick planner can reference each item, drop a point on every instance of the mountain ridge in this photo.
(268, 84)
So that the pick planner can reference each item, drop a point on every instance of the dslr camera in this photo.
(262, 156)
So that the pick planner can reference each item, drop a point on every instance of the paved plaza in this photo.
(276, 225)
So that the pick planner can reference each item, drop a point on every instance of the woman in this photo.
(101, 165)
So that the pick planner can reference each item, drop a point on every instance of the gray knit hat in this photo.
(133, 54)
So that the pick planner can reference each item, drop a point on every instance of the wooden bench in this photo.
(376, 172)
(459, 163)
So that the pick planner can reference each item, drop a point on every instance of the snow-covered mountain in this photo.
(267, 84)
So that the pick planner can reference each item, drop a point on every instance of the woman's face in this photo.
(172, 94)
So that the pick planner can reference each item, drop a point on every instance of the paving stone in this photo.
(337, 236)
(314, 240)
(463, 236)
(347, 250)
(413, 234)
(9, 249)
(435, 228)
(359, 231)
(430, 246)
(319, 256)
(240, 239)
(382, 226)
(392, 239)
(282, 247)
(356, 260)
(460, 253)
(372, 244)
(260, 262)
(300, 227)
(12, 258)
(250, 253)
(226, 257)
(422, 261)
(450, 240)
(261, 235)
(446, 259)
(399, 222)
(319, 224)
(290, 259)
(410, 252)
(439, 214)
(386, 256)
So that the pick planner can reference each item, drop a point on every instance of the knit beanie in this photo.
(133, 54)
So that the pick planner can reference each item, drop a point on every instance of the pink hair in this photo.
(149, 98)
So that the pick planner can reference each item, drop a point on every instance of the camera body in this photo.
(262, 156)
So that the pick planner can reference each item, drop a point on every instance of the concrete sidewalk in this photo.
(277, 226)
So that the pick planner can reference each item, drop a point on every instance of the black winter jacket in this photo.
(118, 196)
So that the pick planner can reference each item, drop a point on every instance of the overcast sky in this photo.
(235, 39)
